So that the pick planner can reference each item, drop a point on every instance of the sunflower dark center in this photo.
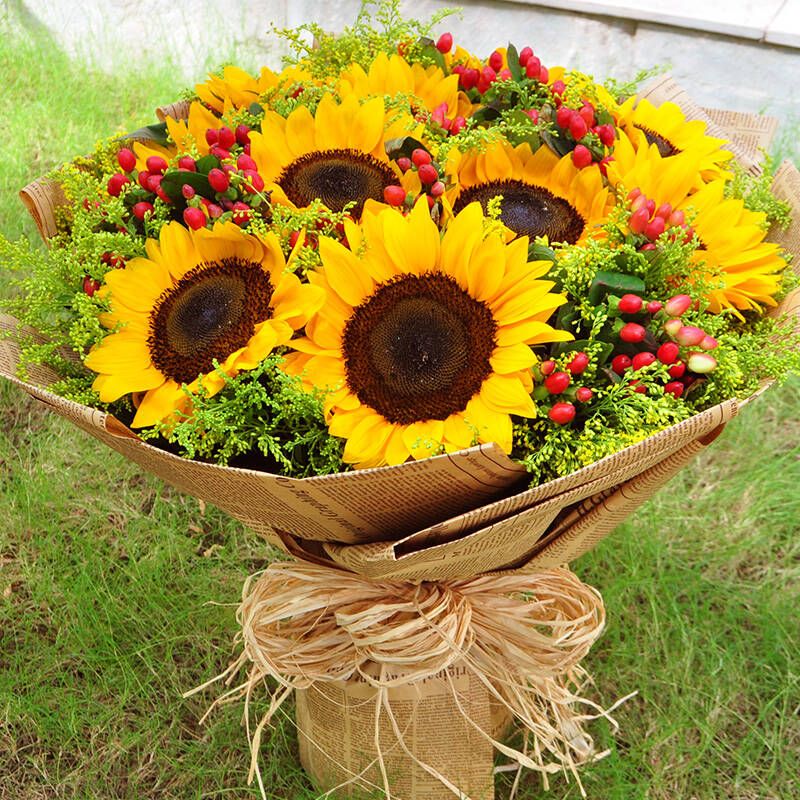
(665, 146)
(418, 348)
(337, 177)
(528, 210)
(211, 312)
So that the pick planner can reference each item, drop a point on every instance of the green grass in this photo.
(105, 572)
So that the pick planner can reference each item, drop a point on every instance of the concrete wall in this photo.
(723, 70)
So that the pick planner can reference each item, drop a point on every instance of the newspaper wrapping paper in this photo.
(409, 688)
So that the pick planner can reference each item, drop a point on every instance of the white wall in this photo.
(726, 71)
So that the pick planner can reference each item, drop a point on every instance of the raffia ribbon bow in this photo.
(523, 636)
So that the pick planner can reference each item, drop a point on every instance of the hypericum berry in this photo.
(115, 184)
(644, 359)
(578, 127)
(496, 61)
(404, 163)
(394, 195)
(630, 304)
(525, 55)
(653, 307)
(533, 114)
(219, 180)
(153, 183)
(564, 116)
(437, 189)
(647, 248)
(677, 305)
(126, 159)
(220, 152)
(675, 388)
(639, 219)
(664, 211)
(708, 343)
(187, 163)
(242, 213)
(156, 164)
(143, 179)
(544, 75)
(651, 207)
(90, 285)
(428, 173)
(504, 75)
(632, 332)
(242, 134)
(458, 125)
(255, 183)
(469, 80)
(668, 353)
(214, 211)
(431, 201)
(547, 367)
(633, 194)
(420, 157)
(578, 363)
(584, 394)
(701, 363)
(489, 74)
(226, 137)
(672, 326)
(558, 87)
(607, 135)
(677, 218)
(557, 382)
(187, 191)
(562, 413)
(581, 156)
(444, 44)
(245, 162)
(212, 136)
(194, 218)
(677, 370)
(586, 112)
(689, 335)
(654, 229)
(533, 68)
(620, 363)
(637, 387)
(140, 209)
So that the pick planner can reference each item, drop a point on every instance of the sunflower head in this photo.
(424, 342)
(201, 305)
(236, 88)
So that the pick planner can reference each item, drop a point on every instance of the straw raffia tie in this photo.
(522, 636)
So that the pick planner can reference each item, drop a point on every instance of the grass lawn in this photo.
(104, 573)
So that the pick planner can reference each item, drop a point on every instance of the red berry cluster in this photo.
(582, 126)
(452, 126)
(422, 163)
(494, 71)
(561, 384)
(651, 222)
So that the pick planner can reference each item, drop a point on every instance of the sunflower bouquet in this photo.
(432, 324)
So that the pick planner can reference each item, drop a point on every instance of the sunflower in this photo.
(666, 127)
(426, 87)
(732, 256)
(543, 195)
(337, 155)
(236, 88)
(425, 343)
(199, 297)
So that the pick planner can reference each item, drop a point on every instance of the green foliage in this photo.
(756, 191)
(622, 90)
(262, 414)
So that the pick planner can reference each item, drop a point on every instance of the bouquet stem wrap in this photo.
(519, 638)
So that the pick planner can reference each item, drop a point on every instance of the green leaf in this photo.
(206, 164)
(485, 114)
(513, 62)
(174, 180)
(157, 132)
(403, 146)
(559, 144)
(429, 51)
(540, 252)
(617, 283)
(256, 109)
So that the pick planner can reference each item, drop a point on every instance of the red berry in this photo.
(143, 179)
(226, 137)
(544, 75)
(701, 363)
(708, 343)
(294, 236)
(156, 164)
(115, 184)
(428, 173)
(564, 116)
(557, 382)
(577, 126)
(255, 183)
(620, 363)
(562, 413)
(630, 304)
(677, 218)
(242, 134)
(431, 201)
(632, 332)
(420, 157)
(437, 189)
(547, 367)
(639, 220)
(558, 87)
(647, 247)
(212, 136)
(404, 163)
(142, 208)
(489, 74)
(578, 363)
(584, 394)
(587, 114)
(581, 156)
(664, 211)
(672, 326)
(187, 191)
(126, 159)
(655, 228)
(689, 335)
(242, 213)
(533, 68)
(90, 285)
(219, 180)
(651, 207)
(607, 135)
(677, 305)
(194, 218)
(394, 195)
(496, 61)
(653, 307)
(444, 44)
(187, 163)
(644, 359)
(214, 211)
(525, 55)
(675, 388)
(469, 80)
(245, 162)
(153, 182)
(668, 353)
(458, 125)
(637, 387)
(677, 370)
(504, 75)
(533, 114)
